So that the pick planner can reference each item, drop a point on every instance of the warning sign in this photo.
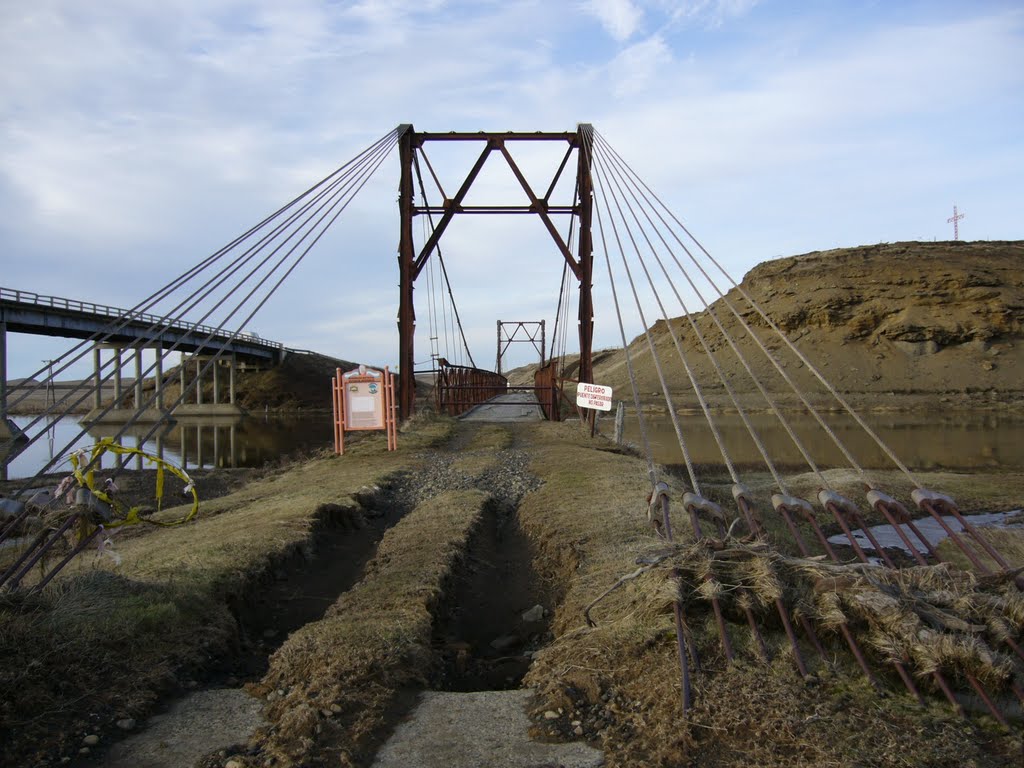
(594, 396)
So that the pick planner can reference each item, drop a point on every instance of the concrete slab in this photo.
(514, 406)
(199, 724)
(468, 730)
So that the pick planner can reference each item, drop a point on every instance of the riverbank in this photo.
(216, 605)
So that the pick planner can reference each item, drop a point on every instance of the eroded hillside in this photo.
(892, 325)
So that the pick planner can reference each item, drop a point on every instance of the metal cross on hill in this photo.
(955, 221)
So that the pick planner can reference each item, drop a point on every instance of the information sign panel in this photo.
(594, 396)
(364, 399)
(364, 403)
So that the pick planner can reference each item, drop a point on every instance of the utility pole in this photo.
(955, 221)
(50, 394)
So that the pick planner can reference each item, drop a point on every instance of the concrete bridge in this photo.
(33, 313)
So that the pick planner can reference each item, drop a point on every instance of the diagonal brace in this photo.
(450, 209)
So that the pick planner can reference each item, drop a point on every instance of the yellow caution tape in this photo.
(125, 515)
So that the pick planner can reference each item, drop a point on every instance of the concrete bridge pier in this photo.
(120, 413)
(8, 429)
(216, 407)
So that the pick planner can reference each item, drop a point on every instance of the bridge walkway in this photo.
(511, 406)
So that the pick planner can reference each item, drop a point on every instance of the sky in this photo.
(137, 138)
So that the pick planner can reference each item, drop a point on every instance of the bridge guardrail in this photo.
(103, 310)
(459, 388)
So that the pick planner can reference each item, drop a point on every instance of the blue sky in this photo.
(136, 138)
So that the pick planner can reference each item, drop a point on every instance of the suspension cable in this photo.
(755, 437)
(193, 301)
(152, 300)
(652, 472)
(380, 151)
(695, 484)
(181, 309)
(444, 272)
(796, 389)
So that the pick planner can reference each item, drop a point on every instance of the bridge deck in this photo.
(513, 406)
(33, 313)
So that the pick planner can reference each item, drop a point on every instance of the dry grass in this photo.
(622, 677)
(106, 644)
(340, 675)
(1008, 543)
(102, 643)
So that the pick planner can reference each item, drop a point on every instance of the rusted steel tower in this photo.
(410, 263)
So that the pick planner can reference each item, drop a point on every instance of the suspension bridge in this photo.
(611, 227)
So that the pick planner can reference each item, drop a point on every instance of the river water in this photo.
(924, 441)
(216, 442)
(962, 440)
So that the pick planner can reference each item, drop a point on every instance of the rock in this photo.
(533, 615)
(84, 751)
(368, 497)
(271, 697)
(504, 643)
(551, 715)
(578, 730)
(918, 348)
(987, 366)
(127, 724)
(40, 498)
(9, 508)
(91, 740)
(234, 764)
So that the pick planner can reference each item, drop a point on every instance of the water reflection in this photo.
(925, 441)
(190, 443)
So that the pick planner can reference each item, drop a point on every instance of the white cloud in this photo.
(636, 68)
(150, 134)
(711, 12)
(620, 18)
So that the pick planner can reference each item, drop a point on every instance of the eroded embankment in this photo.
(618, 682)
(440, 606)
(496, 615)
(108, 643)
(333, 683)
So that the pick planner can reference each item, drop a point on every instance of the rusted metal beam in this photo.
(407, 277)
(411, 263)
(585, 258)
(500, 135)
(498, 209)
(558, 174)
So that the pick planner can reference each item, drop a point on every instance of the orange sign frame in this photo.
(364, 400)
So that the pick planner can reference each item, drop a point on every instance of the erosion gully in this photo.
(495, 614)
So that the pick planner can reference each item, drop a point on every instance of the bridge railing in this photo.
(115, 313)
(459, 388)
(548, 387)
